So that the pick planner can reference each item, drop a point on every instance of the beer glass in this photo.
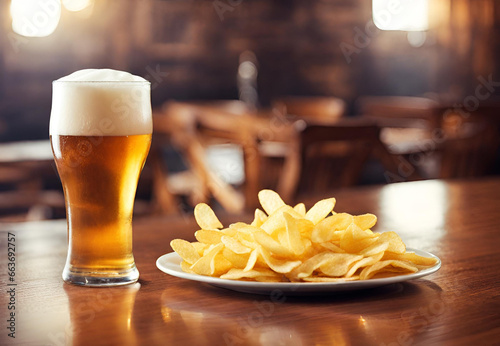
(100, 132)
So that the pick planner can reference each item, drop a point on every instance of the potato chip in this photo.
(340, 221)
(281, 237)
(391, 266)
(412, 258)
(244, 234)
(209, 248)
(243, 228)
(278, 265)
(377, 247)
(252, 260)
(200, 247)
(186, 267)
(259, 218)
(208, 236)
(365, 221)
(277, 278)
(329, 279)
(335, 263)
(300, 208)
(354, 239)
(205, 217)
(320, 210)
(363, 263)
(270, 201)
(276, 221)
(326, 230)
(232, 232)
(186, 250)
(237, 260)
(221, 265)
(396, 245)
(293, 237)
(271, 245)
(338, 264)
(292, 244)
(206, 264)
(235, 274)
(234, 245)
(332, 247)
(305, 227)
(239, 225)
(308, 246)
(252, 244)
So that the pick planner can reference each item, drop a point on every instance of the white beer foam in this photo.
(101, 103)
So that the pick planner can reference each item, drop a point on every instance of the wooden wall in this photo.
(189, 49)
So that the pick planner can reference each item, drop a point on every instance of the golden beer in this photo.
(100, 148)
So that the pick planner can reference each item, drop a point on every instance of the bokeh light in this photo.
(35, 18)
(405, 15)
(76, 5)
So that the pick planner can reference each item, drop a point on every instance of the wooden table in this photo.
(459, 305)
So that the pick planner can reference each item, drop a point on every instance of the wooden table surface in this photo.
(459, 305)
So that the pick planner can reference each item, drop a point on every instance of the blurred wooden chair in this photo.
(211, 132)
(408, 126)
(322, 110)
(328, 157)
(470, 144)
(169, 187)
(162, 197)
(194, 128)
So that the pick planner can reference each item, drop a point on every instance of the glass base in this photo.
(100, 279)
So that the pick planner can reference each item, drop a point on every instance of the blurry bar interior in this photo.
(238, 85)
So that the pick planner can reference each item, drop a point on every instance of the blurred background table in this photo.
(29, 185)
(456, 220)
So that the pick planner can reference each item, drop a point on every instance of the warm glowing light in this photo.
(76, 5)
(35, 18)
(405, 15)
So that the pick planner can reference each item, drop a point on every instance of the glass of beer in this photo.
(100, 132)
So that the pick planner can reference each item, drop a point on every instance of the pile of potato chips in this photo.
(291, 244)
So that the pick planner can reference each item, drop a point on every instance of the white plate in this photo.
(170, 264)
